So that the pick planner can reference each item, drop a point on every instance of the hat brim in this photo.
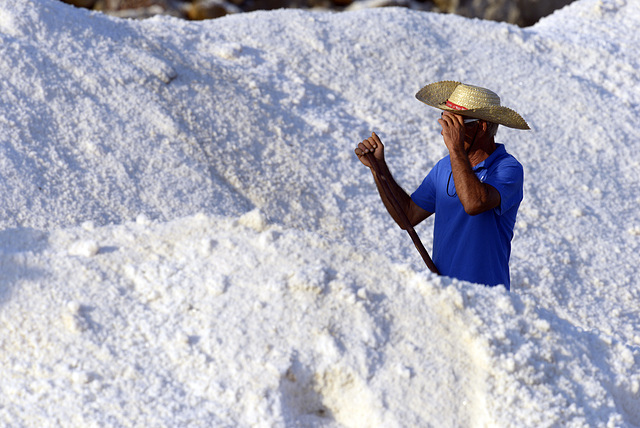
(437, 94)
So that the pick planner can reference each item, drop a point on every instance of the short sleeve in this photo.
(425, 194)
(507, 178)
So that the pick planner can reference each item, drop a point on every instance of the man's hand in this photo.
(370, 145)
(453, 131)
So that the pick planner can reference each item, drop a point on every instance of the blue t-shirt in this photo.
(473, 248)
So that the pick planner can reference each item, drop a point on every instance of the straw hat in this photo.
(471, 101)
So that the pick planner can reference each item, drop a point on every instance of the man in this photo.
(474, 192)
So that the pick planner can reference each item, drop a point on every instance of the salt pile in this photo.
(188, 240)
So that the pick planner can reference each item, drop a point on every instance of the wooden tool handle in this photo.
(401, 214)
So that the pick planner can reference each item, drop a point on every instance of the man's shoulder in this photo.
(506, 158)
(440, 171)
(511, 160)
(445, 161)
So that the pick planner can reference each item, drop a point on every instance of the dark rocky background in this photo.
(520, 12)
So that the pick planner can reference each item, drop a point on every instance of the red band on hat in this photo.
(455, 106)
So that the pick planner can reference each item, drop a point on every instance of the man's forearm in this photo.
(474, 195)
(401, 196)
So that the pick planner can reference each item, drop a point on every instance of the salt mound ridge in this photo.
(234, 322)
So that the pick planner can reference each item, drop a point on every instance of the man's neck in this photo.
(481, 151)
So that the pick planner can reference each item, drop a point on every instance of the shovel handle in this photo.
(401, 214)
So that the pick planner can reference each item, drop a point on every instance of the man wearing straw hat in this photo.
(474, 192)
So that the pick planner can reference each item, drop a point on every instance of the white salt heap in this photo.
(186, 238)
